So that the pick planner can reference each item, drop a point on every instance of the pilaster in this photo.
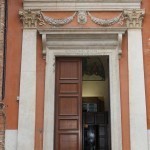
(137, 101)
(27, 101)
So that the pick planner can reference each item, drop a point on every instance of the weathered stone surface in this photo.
(2, 115)
(103, 1)
(2, 22)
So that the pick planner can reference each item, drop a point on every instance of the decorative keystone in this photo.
(134, 17)
(30, 18)
(82, 17)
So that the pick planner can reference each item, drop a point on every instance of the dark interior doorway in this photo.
(95, 105)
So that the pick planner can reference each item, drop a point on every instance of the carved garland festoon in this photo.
(32, 18)
(107, 22)
(57, 22)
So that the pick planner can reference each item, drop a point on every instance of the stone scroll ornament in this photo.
(107, 22)
(58, 22)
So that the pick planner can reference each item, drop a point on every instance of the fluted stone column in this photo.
(27, 101)
(137, 101)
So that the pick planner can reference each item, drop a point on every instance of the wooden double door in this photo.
(68, 104)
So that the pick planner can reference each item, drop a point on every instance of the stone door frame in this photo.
(49, 103)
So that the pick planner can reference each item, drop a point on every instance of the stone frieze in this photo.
(34, 18)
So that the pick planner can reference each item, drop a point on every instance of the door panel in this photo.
(68, 141)
(68, 106)
(69, 69)
(68, 118)
(69, 88)
(66, 124)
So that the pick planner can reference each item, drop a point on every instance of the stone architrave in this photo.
(137, 101)
(78, 49)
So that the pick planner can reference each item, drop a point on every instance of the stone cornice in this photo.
(30, 18)
(134, 17)
(47, 5)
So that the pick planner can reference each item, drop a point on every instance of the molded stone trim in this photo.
(76, 6)
(81, 33)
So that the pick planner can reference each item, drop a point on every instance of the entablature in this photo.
(88, 5)
(133, 18)
(82, 38)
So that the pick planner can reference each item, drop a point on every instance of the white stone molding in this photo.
(76, 49)
(120, 44)
(137, 100)
(148, 133)
(96, 37)
(48, 135)
(47, 5)
(107, 22)
(82, 17)
(30, 18)
(134, 17)
(11, 139)
(27, 102)
(44, 43)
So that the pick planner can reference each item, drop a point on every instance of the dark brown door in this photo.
(68, 118)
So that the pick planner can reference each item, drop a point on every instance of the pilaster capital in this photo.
(134, 17)
(29, 18)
